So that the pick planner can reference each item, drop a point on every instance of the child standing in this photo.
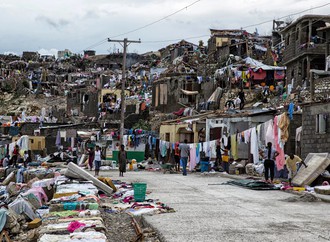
(225, 159)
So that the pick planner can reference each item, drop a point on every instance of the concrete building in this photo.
(83, 101)
(36, 143)
(306, 47)
(237, 42)
(114, 61)
(89, 53)
(190, 128)
(172, 92)
(315, 136)
(30, 55)
(62, 54)
(182, 48)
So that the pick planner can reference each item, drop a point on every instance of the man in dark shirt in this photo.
(241, 96)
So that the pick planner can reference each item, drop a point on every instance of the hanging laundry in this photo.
(269, 126)
(262, 135)
(258, 131)
(224, 140)
(233, 150)
(206, 149)
(283, 124)
(239, 138)
(192, 158)
(198, 149)
(291, 109)
(254, 146)
(247, 136)
(163, 150)
(23, 142)
(280, 159)
(213, 152)
(58, 139)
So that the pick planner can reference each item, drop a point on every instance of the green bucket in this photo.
(140, 190)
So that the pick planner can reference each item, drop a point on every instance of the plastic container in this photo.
(140, 190)
(204, 166)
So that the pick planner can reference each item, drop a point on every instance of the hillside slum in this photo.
(228, 98)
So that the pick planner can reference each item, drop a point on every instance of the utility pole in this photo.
(125, 42)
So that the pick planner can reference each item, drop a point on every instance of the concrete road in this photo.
(228, 213)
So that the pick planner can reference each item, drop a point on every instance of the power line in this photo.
(157, 21)
(170, 40)
(201, 36)
(96, 44)
(306, 10)
(142, 27)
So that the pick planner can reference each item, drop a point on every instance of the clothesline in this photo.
(274, 131)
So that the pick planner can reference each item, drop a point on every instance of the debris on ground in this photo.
(306, 197)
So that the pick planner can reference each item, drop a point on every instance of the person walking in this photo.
(241, 96)
(184, 154)
(122, 160)
(28, 158)
(218, 160)
(90, 158)
(291, 165)
(177, 157)
(15, 155)
(97, 160)
(269, 154)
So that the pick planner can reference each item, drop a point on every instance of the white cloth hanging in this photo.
(254, 146)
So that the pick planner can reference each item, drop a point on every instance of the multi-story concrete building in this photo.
(306, 47)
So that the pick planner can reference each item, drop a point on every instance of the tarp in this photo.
(252, 184)
(316, 164)
(186, 92)
(259, 47)
(256, 65)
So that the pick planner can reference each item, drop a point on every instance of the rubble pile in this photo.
(49, 206)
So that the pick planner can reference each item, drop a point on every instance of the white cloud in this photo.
(78, 24)
(10, 53)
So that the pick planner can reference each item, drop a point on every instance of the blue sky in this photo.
(78, 24)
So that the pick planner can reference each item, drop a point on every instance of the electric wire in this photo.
(157, 21)
(201, 36)
(289, 15)
(142, 27)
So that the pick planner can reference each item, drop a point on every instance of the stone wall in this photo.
(312, 142)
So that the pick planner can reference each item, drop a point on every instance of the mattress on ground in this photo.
(316, 164)
(90, 236)
(60, 226)
(86, 188)
(81, 173)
